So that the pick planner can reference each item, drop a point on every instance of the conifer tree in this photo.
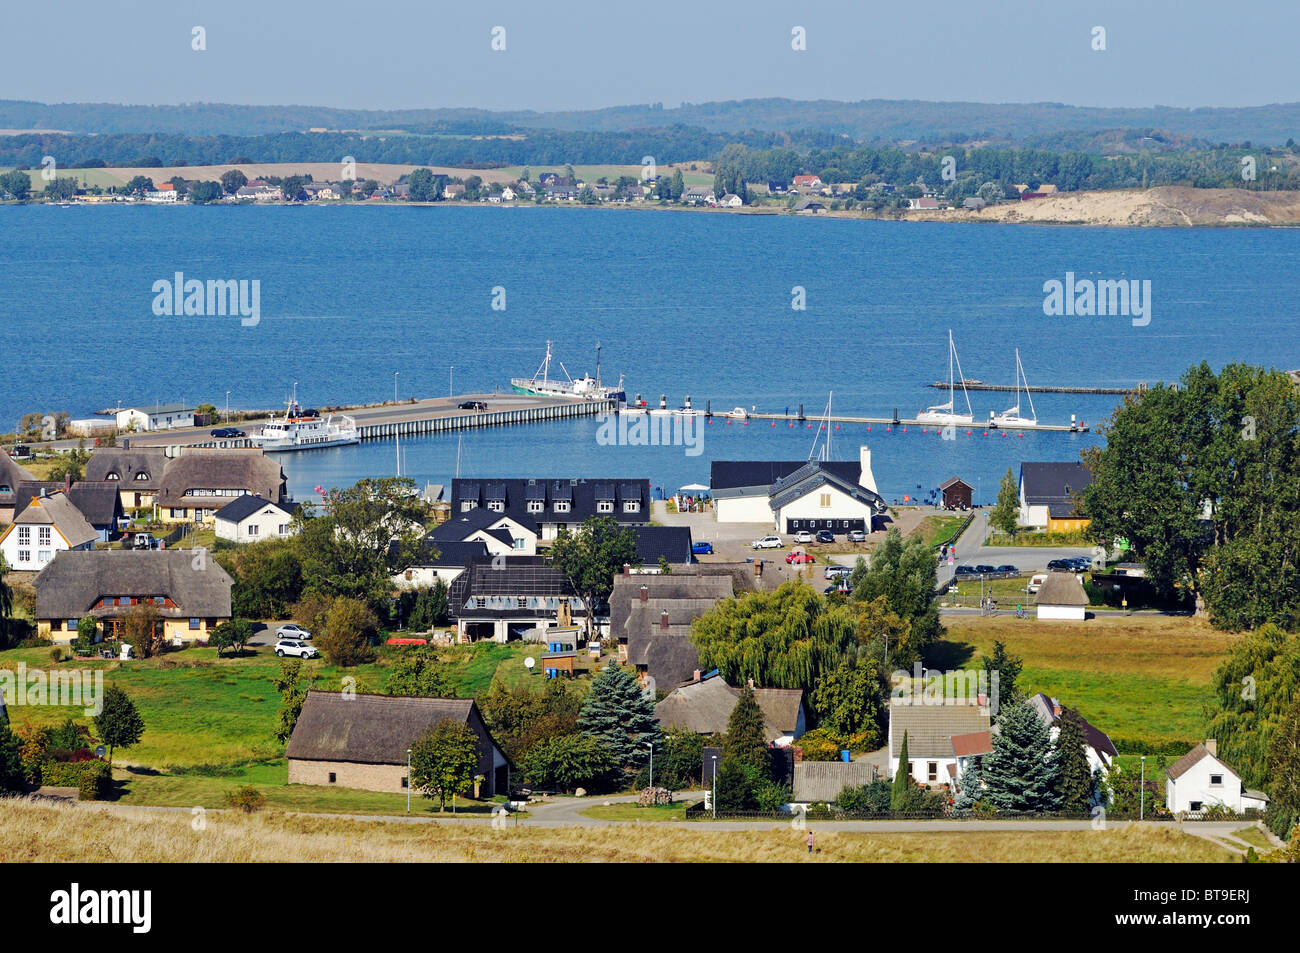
(744, 742)
(1020, 773)
(1074, 784)
(900, 795)
(619, 715)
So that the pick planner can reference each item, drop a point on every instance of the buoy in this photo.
(774, 423)
(837, 426)
(925, 430)
(791, 425)
(889, 430)
(968, 433)
(868, 428)
(746, 423)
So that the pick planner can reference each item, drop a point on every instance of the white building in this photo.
(90, 427)
(1199, 780)
(165, 196)
(930, 726)
(157, 417)
(248, 519)
(1062, 597)
(839, 495)
(1097, 746)
(47, 526)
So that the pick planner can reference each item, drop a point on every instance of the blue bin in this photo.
(844, 756)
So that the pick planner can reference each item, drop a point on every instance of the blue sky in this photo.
(580, 54)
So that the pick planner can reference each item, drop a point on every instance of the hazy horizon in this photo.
(408, 55)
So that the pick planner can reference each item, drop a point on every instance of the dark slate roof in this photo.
(1190, 760)
(726, 474)
(1050, 713)
(99, 502)
(246, 505)
(581, 494)
(375, 729)
(450, 553)
(673, 543)
(503, 583)
(138, 469)
(813, 476)
(463, 525)
(1052, 482)
(954, 481)
(76, 580)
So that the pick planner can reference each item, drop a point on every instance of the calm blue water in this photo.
(683, 303)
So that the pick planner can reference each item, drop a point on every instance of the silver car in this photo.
(768, 542)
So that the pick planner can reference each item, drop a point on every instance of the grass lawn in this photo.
(1145, 677)
(199, 709)
(937, 530)
(631, 812)
(34, 832)
(142, 786)
(1254, 837)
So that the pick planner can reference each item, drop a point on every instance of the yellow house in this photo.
(190, 592)
(198, 483)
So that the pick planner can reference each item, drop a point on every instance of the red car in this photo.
(798, 557)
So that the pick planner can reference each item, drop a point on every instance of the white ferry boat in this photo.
(300, 431)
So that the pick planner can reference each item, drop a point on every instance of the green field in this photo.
(199, 709)
(633, 812)
(1141, 677)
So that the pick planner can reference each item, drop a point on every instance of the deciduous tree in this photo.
(444, 760)
(118, 724)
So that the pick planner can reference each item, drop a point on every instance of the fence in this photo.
(697, 812)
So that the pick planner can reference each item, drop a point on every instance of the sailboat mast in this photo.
(597, 363)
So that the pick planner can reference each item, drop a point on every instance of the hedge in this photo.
(91, 778)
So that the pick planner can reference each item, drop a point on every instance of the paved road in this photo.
(971, 551)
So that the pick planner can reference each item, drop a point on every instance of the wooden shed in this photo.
(956, 494)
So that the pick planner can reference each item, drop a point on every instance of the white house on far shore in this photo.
(157, 417)
(1199, 780)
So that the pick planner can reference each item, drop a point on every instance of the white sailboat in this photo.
(1011, 417)
(946, 413)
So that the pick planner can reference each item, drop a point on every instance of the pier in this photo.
(1043, 389)
(913, 422)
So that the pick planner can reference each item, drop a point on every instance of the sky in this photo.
(580, 55)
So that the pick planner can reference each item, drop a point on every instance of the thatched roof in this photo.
(137, 469)
(1062, 589)
(97, 501)
(11, 474)
(375, 729)
(704, 707)
(249, 470)
(68, 587)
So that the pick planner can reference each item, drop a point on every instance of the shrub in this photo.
(246, 798)
(91, 778)
(771, 796)
(819, 748)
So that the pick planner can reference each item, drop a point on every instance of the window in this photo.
(284, 529)
(44, 532)
(536, 506)
(467, 505)
(825, 501)
(113, 475)
(24, 555)
(1195, 807)
(139, 477)
(194, 624)
(521, 602)
(521, 543)
(932, 771)
(45, 556)
(333, 777)
(252, 529)
(24, 534)
(631, 506)
(405, 783)
(1216, 780)
(480, 602)
(497, 506)
(159, 600)
(604, 506)
(561, 506)
(72, 625)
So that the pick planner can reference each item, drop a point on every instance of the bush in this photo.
(870, 798)
(1280, 820)
(771, 796)
(819, 748)
(246, 798)
(91, 778)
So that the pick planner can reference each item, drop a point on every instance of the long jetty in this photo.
(1042, 389)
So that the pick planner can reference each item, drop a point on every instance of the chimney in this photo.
(1212, 746)
(695, 676)
(67, 483)
(663, 620)
(867, 479)
(751, 684)
(645, 593)
(758, 567)
(627, 569)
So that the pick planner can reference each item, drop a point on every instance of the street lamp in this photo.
(395, 373)
(451, 388)
(1142, 796)
(227, 408)
(652, 768)
(408, 780)
(715, 787)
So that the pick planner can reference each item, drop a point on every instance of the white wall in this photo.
(1071, 613)
(743, 509)
(1195, 785)
(422, 576)
(40, 553)
(842, 507)
(264, 524)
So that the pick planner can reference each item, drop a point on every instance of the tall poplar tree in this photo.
(1074, 783)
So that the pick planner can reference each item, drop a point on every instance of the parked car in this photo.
(799, 558)
(292, 630)
(803, 536)
(21, 452)
(294, 647)
(966, 571)
(857, 536)
(842, 587)
(1059, 565)
(985, 570)
(768, 542)
(143, 541)
(702, 549)
(472, 405)
(825, 536)
(836, 571)
(227, 432)
(1009, 569)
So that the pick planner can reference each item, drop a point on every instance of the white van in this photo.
(1037, 581)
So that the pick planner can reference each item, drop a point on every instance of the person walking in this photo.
(810, 842)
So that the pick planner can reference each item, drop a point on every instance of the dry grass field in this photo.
(35, 832)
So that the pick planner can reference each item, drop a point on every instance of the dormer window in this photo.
(112, 475)
(631, 506)
(140, 477)
(497, 506)
(536, 506)
(604, 506)
(467, 505)
(561, 506)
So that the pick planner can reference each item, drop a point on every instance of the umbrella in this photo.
(694, 487)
